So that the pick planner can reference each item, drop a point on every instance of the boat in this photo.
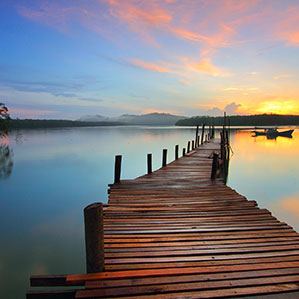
(273, 133)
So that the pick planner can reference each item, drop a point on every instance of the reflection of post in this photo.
(94, 237)
(6, 161)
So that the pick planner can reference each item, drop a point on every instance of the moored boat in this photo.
(273, 133)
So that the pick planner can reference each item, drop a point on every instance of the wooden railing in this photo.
(195, 143)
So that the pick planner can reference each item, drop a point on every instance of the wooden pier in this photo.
(177, 233)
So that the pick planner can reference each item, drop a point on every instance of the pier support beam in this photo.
(117, 169)
(94, 237)
(176, 152)
(202, 133)
(164, 157)
(149, 163)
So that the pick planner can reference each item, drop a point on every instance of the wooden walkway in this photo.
(177, 234)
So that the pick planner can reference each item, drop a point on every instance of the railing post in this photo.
(188, 147)
(94, 237)
(184, 151)
(117, 169)
(196, 137)
(149, 163)
(192, 144)
(214, 166)
(202, 133)
(164, 158)
(176, 151)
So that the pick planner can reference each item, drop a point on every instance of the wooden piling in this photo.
(184, 151)
(188, 147)
(176, 151)
(202, 133)
(149, 163)
(196, 137)
(164, 157)
(94, 237)
(117, 169)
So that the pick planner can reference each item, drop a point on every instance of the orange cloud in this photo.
(205, 66)
(150, 66)
(185, 82)
(282, 76)
(287, 26)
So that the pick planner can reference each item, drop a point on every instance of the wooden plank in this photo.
(78, 278)
(231, 292)
(187, 286)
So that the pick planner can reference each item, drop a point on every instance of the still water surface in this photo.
(57, 172)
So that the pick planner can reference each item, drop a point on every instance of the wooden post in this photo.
(176, 152)
(192, 144)
(214, 166)
(149, 163)
(202, 133)
(188, 147)
(117, 169)
(164, 158)
(94, 237)
(196, 137)
(184, 151)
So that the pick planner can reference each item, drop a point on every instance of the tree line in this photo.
(242, 120)
(55, 123)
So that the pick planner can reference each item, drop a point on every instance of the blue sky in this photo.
(65, 59)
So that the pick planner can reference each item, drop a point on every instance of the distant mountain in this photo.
(93, 118)
(155, 119)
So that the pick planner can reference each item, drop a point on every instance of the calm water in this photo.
(57, 172)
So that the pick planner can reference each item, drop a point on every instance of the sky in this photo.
(68, 58)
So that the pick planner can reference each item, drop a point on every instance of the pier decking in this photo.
(175, 233)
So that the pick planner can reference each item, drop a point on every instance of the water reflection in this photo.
(267, 170)
(6, 158)
(57, 172)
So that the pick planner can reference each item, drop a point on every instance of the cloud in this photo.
(287, 25)
(30, 113)
(205, 66)
(282, 76)
(231, 89)
(232, 108)
(149, 66)
(242, 89)
(185, 82)
(91, 100)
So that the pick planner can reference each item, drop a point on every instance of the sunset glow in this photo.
(64, 59)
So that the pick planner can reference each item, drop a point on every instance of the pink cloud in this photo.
(29, 113)
(150, 66)
(206, 66)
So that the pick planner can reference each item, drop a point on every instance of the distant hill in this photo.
(93, 118)
(243, 120)
(155, 119)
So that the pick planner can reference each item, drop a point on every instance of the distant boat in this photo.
(273, 133)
